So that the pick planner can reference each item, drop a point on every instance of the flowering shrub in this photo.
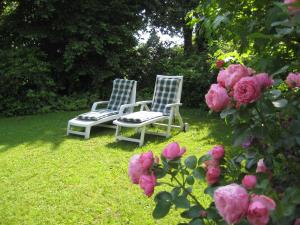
(260, 184)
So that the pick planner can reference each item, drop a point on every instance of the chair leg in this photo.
(142, 137)
(87, 132)
(68, 128)
(179, 119)
(169, 128)
(118, 130)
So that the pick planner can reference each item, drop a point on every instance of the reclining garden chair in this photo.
(164, 106)
(123, 92)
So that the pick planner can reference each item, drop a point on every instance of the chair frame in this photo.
(87, 125)
(174, 113)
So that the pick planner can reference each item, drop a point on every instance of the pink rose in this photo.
(211, 163)
(293, 80)
(212, 175)
(218, 152)
(222, 76)
(217, 98)
(297, 222)
(220, 63)
(148, 182)
(259, 209)
(232, 202)
(247, 90)
(257, 214)
(292, 9)
(173, 151)
(249, 181)
(235, 72)
(135, 169)
(261, 167)
(264, 80)
(146, 160)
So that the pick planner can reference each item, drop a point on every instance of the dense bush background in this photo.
(62, 55)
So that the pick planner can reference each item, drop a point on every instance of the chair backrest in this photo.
(123, 92)
(167, 91)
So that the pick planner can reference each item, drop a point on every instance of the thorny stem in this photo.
(190, 194)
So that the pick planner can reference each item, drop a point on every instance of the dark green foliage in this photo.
(26, 85)
(83, 46)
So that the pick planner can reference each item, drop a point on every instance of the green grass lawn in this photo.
(49, 178)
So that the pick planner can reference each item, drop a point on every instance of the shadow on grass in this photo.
(51, 129)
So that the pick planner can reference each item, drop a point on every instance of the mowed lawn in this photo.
(47, 177)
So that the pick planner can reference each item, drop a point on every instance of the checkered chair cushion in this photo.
(97, 115)
(165, 93)
(121, 94)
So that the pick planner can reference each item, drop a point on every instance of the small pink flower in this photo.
(259, 209)
(135, 169)
(247, 90)
(148, 182)
(217, 98)
(261, 167)
(292, 9)
(297, 222)
(218, 152)
(249, 181)
(293, 80)
(211, 163)
(264, 80)
(173, 151)
(146, 160)
(232, 202)
(220, 63)
(212, 175)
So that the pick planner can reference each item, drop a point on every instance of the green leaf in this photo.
(281, 103)
(161, 209)
(275, 93)
(199, 173)
(175, 192)
(196, 222)
(190, 180)
(284, 31)
(193, 212)
(191, 162)
(204, 158)
(160, 172)
(250, 163)
(210, 191)
(281, 70)
(227, 112)
(182, 202)
(163, 196)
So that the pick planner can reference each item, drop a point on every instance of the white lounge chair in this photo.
(164, 106)
(123, 92)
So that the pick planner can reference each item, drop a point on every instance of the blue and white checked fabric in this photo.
(97, 115)
(165, 93)
(121, 94)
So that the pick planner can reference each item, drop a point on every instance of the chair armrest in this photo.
(95, 104)
(125, 106)
(144, 102)
(173, 104)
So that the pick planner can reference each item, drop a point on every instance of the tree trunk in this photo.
(199, 39)
(187, 35)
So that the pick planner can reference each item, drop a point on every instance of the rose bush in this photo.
(260, 184)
